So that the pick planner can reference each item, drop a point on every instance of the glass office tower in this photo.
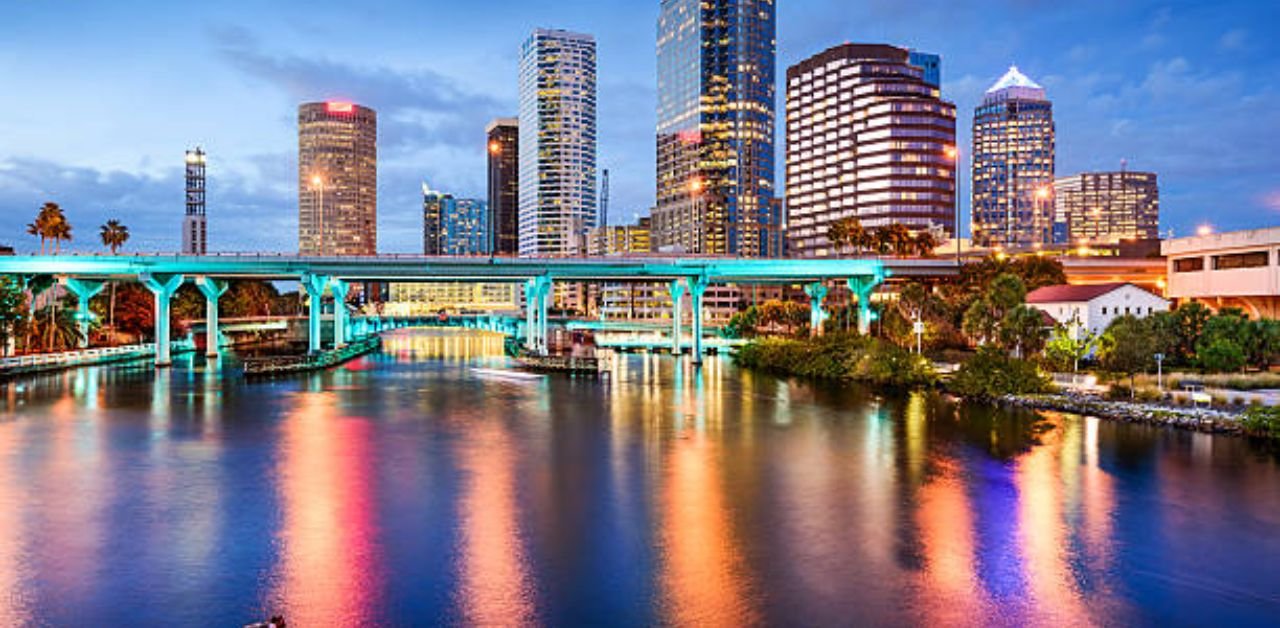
(337, 179)
(1013, 165)
(557, 143)
(715, 134)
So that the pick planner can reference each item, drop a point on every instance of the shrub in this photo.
(1262, 421)
(837, 356)
(1222, 355)
(1149, 395)
(991, 374)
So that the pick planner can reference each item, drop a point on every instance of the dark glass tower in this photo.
(715, 144)
(504, 186)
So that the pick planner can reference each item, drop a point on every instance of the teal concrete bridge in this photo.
(85, 276)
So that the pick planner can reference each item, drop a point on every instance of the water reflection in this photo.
(329, 570)
(406, 489)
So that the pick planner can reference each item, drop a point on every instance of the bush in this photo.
(1262, 421)
(836, 357)
(991, 374)
(1222, 356)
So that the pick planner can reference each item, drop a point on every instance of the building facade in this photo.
(1106, 208)
(504, 186)
(1013, 165)
(1094, 307)
(557, 143)
(465, 228)
(930, 66)
(628, 301)
(429, 299)
(715, 132)
(195, 227)
(1232, 269)
(337, 179)
(867, 138)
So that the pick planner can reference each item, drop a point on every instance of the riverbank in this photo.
(1207, 420)
(984, 378)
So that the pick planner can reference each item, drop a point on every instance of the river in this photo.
(408, 488)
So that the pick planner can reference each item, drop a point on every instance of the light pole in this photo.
(318, 183)
(953, 153)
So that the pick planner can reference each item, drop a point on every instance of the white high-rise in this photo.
(557, 145)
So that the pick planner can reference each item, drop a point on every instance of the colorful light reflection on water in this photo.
(409, 488)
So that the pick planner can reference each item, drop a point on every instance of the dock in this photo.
(290, 364)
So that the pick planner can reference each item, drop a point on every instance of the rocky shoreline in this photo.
(1206, 420)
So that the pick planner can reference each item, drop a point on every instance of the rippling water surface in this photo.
(407, 488)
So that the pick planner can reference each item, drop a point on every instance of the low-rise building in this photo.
(1233, 269)
(1093, 307)
(6, 250)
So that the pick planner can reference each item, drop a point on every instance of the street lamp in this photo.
(318, 183)
(953, 154)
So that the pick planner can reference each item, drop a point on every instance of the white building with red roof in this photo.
(1095, 306)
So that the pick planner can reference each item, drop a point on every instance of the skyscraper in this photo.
(557, 143)
(504, 185)
(337, 179)
(930, 64)
(867, 138)
(465, 227)
(195, 230)
(715, 135)
(1013, 165)
(435, 205)
(1106, 208)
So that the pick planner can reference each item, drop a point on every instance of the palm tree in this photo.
(45, 223)
(114, 234)
(60, 231)
(838, 235)
(925, 244)
(858, 236)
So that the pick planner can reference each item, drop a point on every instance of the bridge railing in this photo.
(85, 356)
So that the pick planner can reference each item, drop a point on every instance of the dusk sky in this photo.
(104, 97)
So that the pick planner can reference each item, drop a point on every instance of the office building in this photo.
(628, 300)
(337, 179)
(195, 228)
(1013, 165)
(1106, 208)
(930, 65)
(557, 143)
(465, 227)
(504, 186)
(867, 138)
(715, 132)
(435, 204)
(429, 299)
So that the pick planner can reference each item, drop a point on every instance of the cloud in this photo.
(417, 108)
(1233, 40)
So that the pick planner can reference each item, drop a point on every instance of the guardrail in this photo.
(84, 357)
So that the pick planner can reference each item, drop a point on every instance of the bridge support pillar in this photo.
(530, 315)
(544, 286)
(314, 285)
(163, 287)
(84, 289)
(212, 289)
(862, 287)
(677, 313)
(340, 291)
(697, 287)
(817, 293)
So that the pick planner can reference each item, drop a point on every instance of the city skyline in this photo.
(1126, 89)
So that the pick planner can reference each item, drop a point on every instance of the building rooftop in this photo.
(1015, 85)
(1068, 293)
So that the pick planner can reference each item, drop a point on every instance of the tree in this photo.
(1222, 337)
(1190, 320)
(983, 318)
(1265, 349)
(1128, 347)
(838, 235)
(898, 239)
(114, 235)
(1068, 344)
(991, 374)
(13, 312)
(50, 224)
(925, 243)
(859, 238)
(1023, 331)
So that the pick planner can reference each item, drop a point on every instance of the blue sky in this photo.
(104, 97)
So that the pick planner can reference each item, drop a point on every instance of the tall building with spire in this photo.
(1013, 165)
(337, 179)
(715, 134)
(195, 228)
(867, 138)
(557, 143)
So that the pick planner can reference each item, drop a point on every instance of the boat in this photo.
(506, 374)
